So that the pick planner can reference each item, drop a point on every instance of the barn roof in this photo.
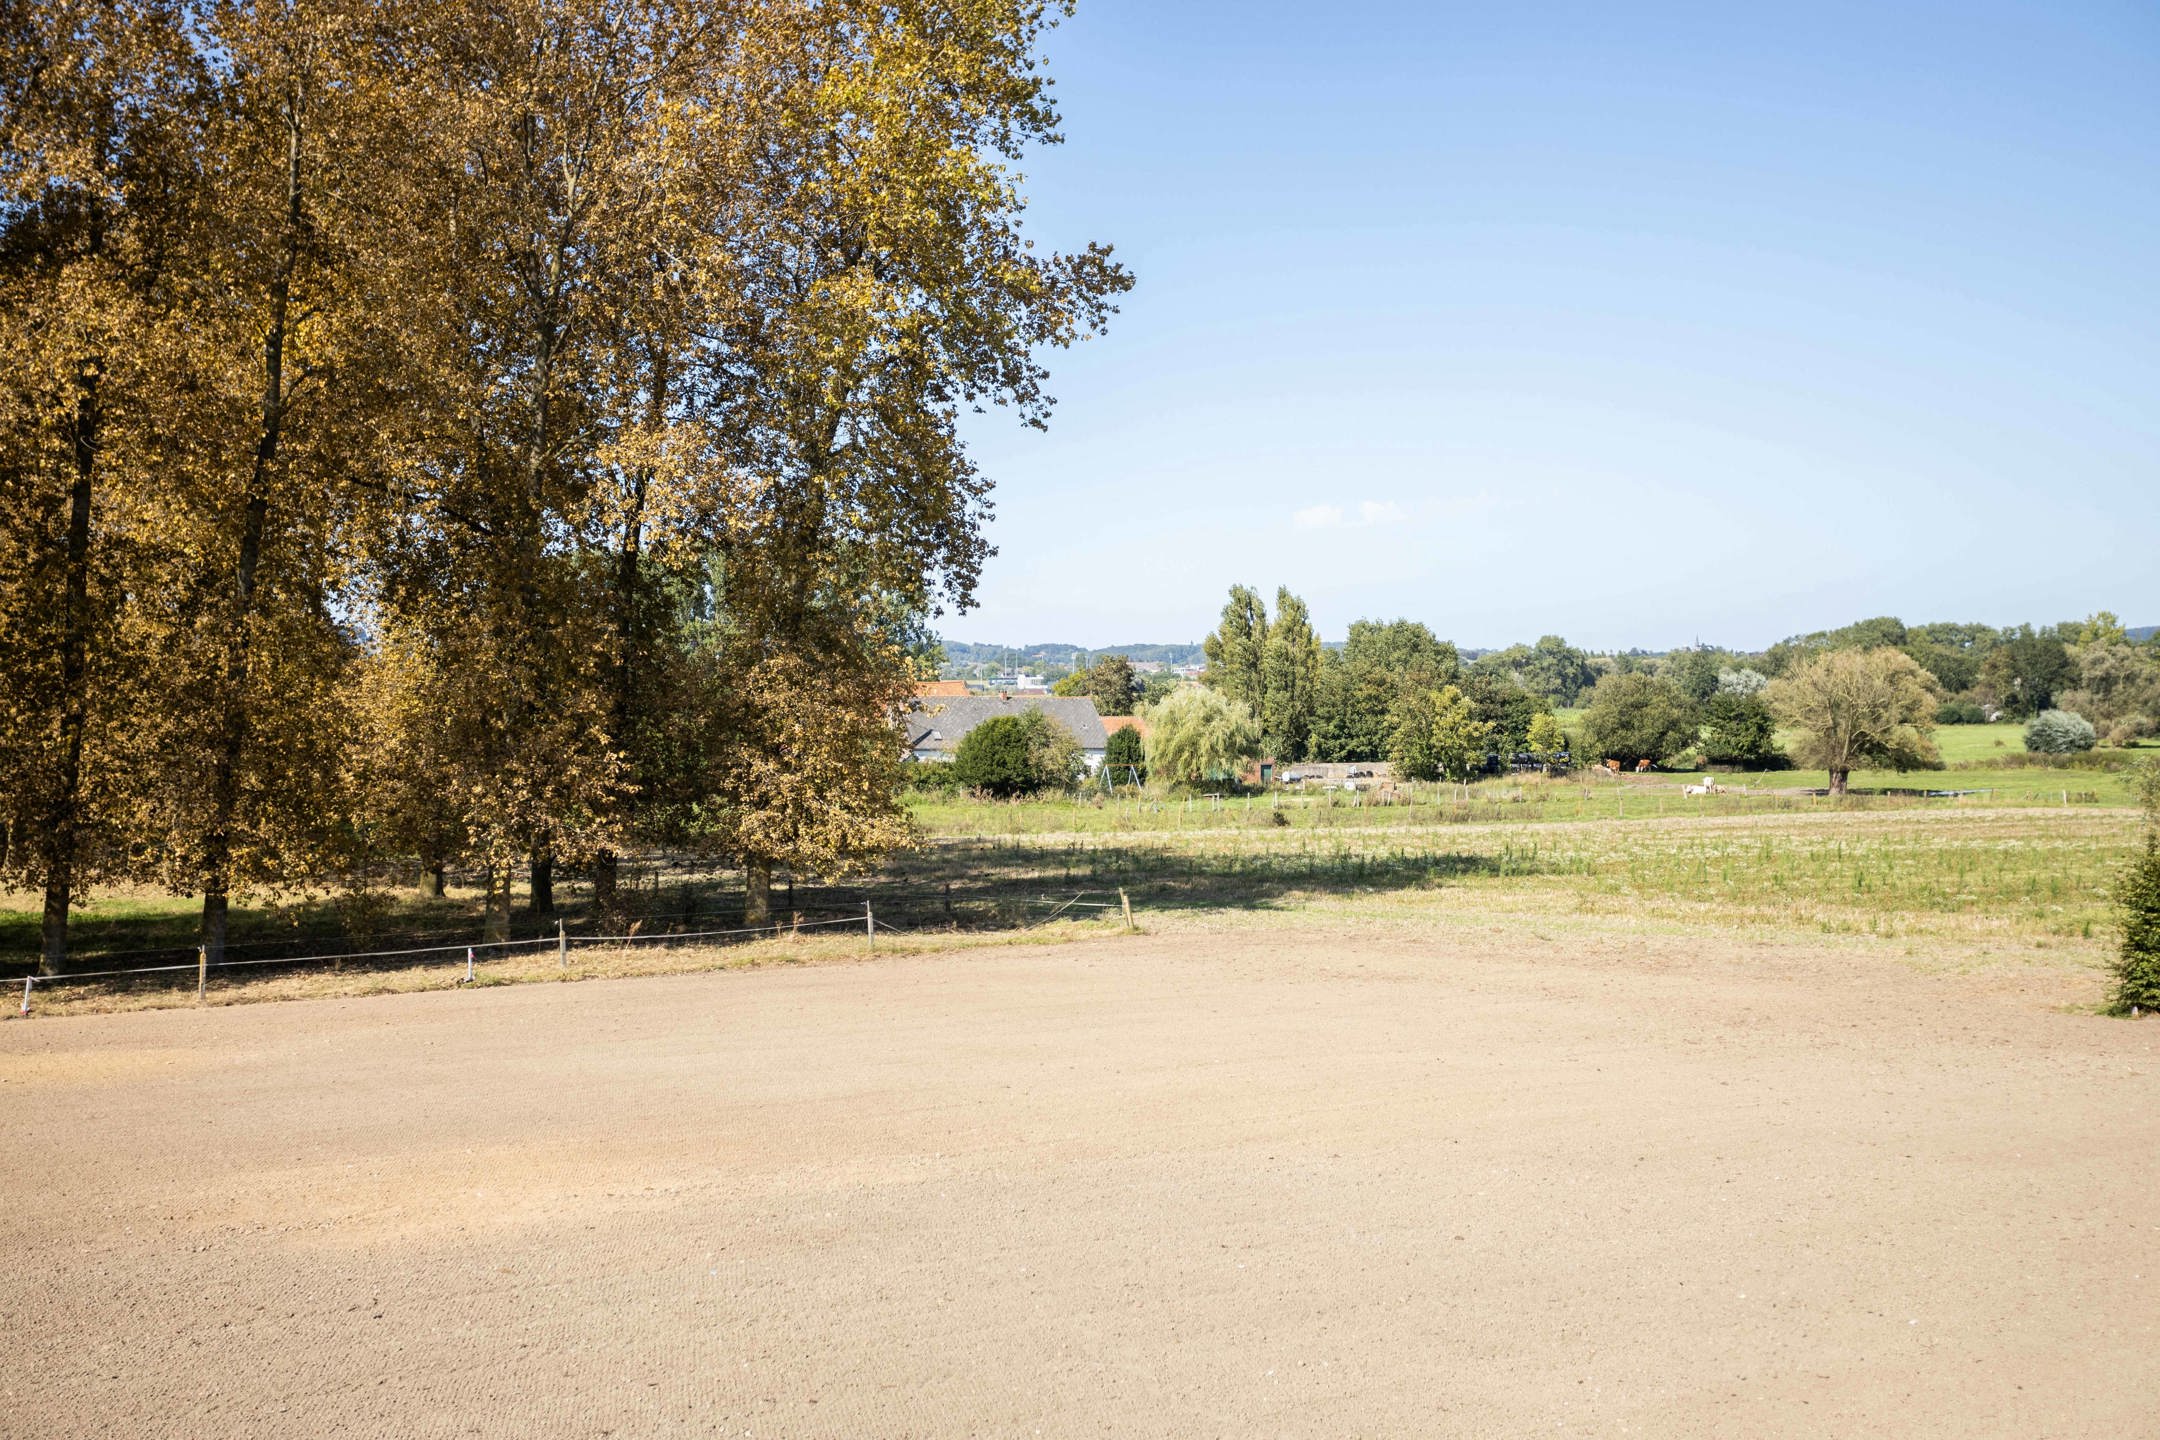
(938, 722)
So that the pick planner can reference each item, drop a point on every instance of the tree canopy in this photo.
(1199, 735)
(519, 431)
(1851, 708)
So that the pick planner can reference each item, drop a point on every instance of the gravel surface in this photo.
(1184, 1185)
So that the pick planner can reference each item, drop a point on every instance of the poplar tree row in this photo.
(494, 433)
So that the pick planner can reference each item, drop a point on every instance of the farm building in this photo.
(936, 724)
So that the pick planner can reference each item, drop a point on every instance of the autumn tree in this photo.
(1851, 708)
(95, 104)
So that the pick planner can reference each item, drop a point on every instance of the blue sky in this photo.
(1631, 323)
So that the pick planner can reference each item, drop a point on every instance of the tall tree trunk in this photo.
(63, 828)
(233, 727)
(1837, 781)
(622, 703)
(437, 886)
(543, 883)
(495, 925)
(757, 892)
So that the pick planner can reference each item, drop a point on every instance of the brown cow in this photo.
(1641, 765)
(1613, 765)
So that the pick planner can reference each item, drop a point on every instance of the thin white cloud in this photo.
(1334, 517)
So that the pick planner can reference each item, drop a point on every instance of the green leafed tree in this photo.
(1199, 736)
(1111, 683)
(1547, 739)
(1438, 736)
(1237, 650)
(1018, 754)
(1290, 680)
(1362, 683)
(1125, 756)
(1637, 717)
(1853, 708)
(1738, 729)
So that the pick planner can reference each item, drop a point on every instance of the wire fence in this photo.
(471, 952)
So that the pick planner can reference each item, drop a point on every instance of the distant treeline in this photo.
(961, 656)
(1353, 702)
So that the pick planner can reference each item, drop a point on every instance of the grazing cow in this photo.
(1641, 766)
(1613, 765)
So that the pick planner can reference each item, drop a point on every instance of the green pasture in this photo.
(2029, 877)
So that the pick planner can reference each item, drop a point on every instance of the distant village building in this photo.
(936, 724)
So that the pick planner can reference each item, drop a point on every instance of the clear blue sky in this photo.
(1632, 323)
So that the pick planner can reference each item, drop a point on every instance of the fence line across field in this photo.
(562, 940)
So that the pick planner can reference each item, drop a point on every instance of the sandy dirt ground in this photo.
(1304, 1184)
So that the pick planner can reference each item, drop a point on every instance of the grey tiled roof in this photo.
(937, 722)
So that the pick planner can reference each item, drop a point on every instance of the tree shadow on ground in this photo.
(972, 885)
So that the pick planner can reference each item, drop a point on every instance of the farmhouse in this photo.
(936, 724)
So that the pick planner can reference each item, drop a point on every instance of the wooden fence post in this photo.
(1125, 902)
(869, 927)
(562, 946)
(202, 973)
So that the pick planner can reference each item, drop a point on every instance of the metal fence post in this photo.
(468, 964)
(562, 946)
(28, 981)
(202, 973)
(869, 926)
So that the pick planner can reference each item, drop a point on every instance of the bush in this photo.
(2137, 969)
(1125, 748)
(1018, 754)
(1960, 712)
(933, 777)
(2059, 732)
(997, 757)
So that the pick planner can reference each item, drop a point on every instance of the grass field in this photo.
(2024, 867)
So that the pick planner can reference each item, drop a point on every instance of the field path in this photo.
(1185, 1185)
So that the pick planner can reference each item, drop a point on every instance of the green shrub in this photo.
(1960, 712)
(1739, 730)
(2059, 732)
(996, 757)
(1018, 754)
(933, 777)
(1125, 749)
